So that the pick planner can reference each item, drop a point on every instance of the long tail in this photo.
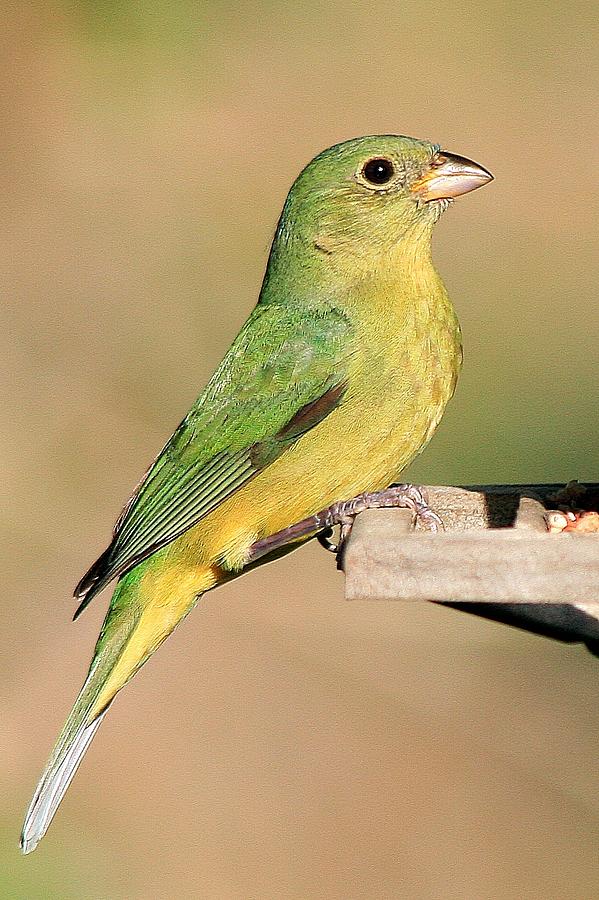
(142, 613)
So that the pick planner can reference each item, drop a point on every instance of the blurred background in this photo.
(285, 743)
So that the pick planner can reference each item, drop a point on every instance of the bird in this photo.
(337, 379)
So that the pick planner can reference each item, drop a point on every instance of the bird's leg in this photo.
(320, 524)
(343, 513)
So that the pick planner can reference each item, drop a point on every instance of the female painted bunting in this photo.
(353, 343)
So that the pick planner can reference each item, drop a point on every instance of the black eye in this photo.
(378, 171)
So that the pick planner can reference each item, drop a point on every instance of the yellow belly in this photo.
(363, 445)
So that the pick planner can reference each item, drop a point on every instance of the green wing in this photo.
(283, 374)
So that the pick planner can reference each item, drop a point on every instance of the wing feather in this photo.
(284, 373)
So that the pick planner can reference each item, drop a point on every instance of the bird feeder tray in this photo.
(496, 547)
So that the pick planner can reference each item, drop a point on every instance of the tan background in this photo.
(286, 744)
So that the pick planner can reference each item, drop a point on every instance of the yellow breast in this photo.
(403, 370)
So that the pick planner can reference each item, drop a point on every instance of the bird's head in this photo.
(364, 196)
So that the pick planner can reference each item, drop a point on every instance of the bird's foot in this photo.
(398, 496)
(343, 513)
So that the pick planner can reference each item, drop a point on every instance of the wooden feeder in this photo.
(496, 556)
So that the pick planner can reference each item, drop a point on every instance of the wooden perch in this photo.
(495, 549)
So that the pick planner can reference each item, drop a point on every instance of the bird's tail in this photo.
(133, 629)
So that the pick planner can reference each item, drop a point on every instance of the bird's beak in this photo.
(449, 176)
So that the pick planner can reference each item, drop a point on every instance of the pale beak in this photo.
(449, 176)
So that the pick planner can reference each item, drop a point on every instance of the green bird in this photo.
(336, 381)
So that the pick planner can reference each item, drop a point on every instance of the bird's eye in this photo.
(378, 171)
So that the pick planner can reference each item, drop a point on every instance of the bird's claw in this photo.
(413, 497)
(345, 521)
(324, 539)
(399, 496)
